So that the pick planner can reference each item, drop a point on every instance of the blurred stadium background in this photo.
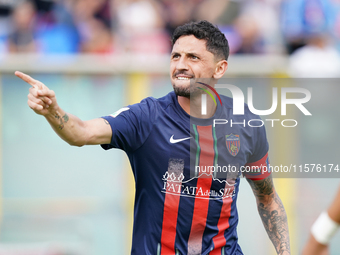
(101, 55)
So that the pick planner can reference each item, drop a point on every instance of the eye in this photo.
(174, 56)
(194, 57)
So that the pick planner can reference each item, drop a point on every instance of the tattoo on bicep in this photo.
(262, 187)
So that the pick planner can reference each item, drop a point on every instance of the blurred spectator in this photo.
(309, 29)
(177, 12)
(99, 38)
(265, 16)
(252, 26)
(300, 18)
(55, 30)
(22, 37)
(42, 26)
(6, 9)
(93, 20)
(248, 31)
(141, 27)
(318, 59)
(145, 26)
(214, 11)
(224, 15)
(257, 28)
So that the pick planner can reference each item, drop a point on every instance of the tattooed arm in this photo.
(272, 213)
(71, 129)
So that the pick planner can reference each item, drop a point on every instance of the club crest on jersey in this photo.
(233, 144)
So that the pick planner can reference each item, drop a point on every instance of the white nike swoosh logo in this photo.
(172, 140)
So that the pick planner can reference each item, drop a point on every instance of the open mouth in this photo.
(181, 78)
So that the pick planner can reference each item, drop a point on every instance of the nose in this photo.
(182, 64)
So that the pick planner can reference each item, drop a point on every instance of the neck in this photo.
(193, 106)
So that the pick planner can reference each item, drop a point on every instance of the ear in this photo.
(220, 69)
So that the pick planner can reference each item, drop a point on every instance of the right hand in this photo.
(41, 99)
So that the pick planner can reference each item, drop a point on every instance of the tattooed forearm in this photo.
(62, 120)
(65, 118)
(274, 219)
(272, 213)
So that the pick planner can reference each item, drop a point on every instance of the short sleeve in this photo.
(257, 167)
(132, 125)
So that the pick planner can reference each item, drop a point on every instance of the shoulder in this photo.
(167, 100)
(149, 107)
(162, 102)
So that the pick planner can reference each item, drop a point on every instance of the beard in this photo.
(190, 91)
(183, 92)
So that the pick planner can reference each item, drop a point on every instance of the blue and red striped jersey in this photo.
(187, 173)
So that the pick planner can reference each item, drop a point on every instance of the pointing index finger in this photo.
(27, 79)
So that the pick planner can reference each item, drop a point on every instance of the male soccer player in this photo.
(186, 186)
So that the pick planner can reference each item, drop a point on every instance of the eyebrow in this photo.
(187, 54)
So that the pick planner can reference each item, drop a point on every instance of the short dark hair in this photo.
(216, 42)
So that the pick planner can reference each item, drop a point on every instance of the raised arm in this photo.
(70, 128)
(272, 213)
